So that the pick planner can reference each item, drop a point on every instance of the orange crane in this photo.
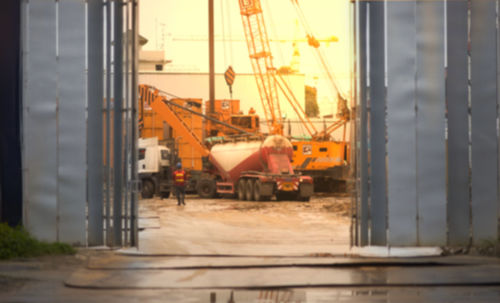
(266, 75)
(334, 153)
(262, 63)
(320, 157)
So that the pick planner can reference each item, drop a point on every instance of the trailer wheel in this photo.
(256, 191)
(304, 199)
(206, 188)
(148, 189)
(249, 190)
(257, 187)
(241, 190)
(165, 194)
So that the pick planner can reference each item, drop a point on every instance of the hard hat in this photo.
(179, 165)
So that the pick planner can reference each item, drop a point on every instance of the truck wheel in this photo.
(206, 188)
(148, 189)
(249, 190)
(165, 194)
(304, 199)
(241, 190)
(257, 192)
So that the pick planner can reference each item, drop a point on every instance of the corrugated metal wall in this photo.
(428, 131)
(68, 53)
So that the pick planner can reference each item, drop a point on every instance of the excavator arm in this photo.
(151, 96)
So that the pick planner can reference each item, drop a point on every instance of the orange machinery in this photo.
(152, 125)
(228, 111)
(183, 120)
(320, 157)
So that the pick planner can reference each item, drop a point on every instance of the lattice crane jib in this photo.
(262, 62)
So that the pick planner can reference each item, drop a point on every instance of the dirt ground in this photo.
(232, 227)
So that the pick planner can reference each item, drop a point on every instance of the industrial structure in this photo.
(320, 156)
(426, 112)
(427, 87)
(242, 161)
(69, 166)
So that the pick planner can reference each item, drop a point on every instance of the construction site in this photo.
(251, 150)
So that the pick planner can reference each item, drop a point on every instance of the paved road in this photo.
(268, 244)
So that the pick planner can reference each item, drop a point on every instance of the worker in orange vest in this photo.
(179, 177)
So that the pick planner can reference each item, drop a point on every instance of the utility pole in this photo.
(211, 57)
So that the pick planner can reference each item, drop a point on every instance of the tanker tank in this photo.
(270, 155)
(256, 170)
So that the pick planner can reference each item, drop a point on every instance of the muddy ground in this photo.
(232, 227)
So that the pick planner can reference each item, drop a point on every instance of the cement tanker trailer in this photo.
(254, 170)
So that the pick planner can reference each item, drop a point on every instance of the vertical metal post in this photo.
(134, 239)
(211, 56)
(117, 122)
(354, 127)
(127, 124)
(498, 109)
(109, 239)
(95, 98)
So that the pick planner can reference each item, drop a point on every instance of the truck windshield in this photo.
(164, 154)
(142, 153)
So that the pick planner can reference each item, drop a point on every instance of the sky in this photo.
(180, 27)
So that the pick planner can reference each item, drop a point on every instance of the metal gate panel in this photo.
(378, 205)
(458, 124)
(430, 100)
(40, 120)
(117, 122)
(72, 125)
(362, 73)
(95, 93)
(484, 120)
(134, 205)
(401, 123)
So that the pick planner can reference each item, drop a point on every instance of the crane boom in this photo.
(262, 62)
(268, 79)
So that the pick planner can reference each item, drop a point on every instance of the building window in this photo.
(159, 67)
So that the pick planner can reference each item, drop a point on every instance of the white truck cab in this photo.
(154, 168)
